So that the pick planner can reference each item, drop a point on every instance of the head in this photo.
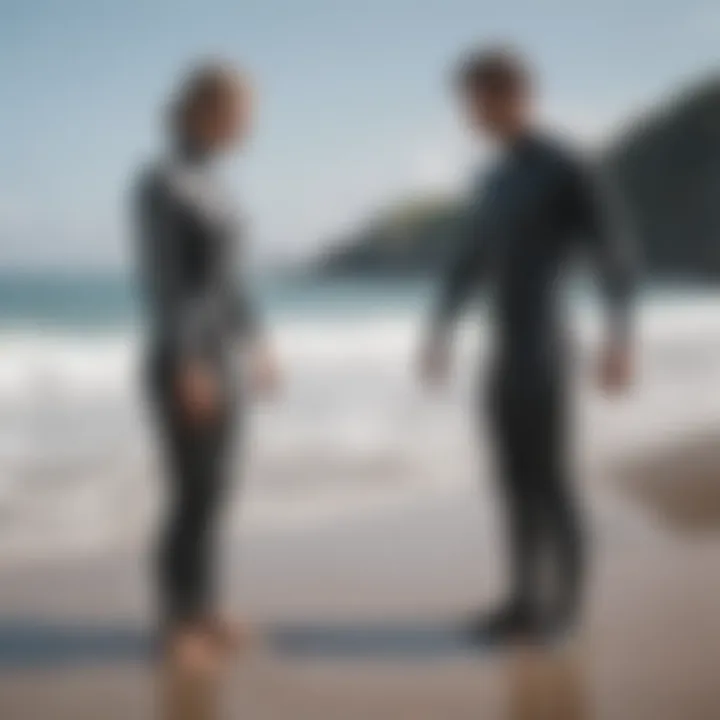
(213, 108)
(496, 89)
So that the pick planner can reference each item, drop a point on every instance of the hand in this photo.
(616, 368)
(198, 392)
(434, 364)
(264, 372)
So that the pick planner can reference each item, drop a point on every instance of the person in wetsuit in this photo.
(198, 314)
(538, 206)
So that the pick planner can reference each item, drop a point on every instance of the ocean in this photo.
(351, 428)
(105, 302)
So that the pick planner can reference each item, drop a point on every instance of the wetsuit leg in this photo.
(530, 426)
(561, 517)
(196, 465)
(513, 432)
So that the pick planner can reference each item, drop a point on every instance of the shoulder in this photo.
(484, 176)
(163, 174)
(151, 183)
(573, 168)
(575, 159)
(167, 183)
(560, 154)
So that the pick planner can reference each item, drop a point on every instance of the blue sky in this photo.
(354, 106)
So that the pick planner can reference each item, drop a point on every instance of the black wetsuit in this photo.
(536, 209)
(187, 245)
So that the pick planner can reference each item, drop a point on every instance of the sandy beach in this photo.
(401, 578)
(365, 528)
(235, 240)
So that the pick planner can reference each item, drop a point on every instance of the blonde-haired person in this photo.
(198, 311)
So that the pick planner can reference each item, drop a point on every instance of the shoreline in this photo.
(649, 649)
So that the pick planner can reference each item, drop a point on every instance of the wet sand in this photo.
(650, 647)
(682, 485)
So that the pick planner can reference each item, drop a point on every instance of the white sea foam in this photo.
(352, 429)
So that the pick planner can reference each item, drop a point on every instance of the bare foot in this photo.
(189, 688)
(192, 652)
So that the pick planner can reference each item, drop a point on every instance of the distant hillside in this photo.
(410, 238)
(668, 169)
(667, 166)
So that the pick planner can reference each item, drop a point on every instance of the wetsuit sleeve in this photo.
(243, 317)
(181, 312)
(465, 271)
(604, 225)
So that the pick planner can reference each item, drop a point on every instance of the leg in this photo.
(561, 517)
(513, 437)
(512, 430)
(196, 482)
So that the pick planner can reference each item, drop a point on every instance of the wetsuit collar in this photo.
(525, 141)
(191, 151)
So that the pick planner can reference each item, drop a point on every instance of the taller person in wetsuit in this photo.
(199, 316)
(537, 207)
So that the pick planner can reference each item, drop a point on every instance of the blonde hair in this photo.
(209, 84)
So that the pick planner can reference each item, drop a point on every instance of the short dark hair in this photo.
(497, 70)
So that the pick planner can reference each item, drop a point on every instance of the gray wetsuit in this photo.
(197, 310)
